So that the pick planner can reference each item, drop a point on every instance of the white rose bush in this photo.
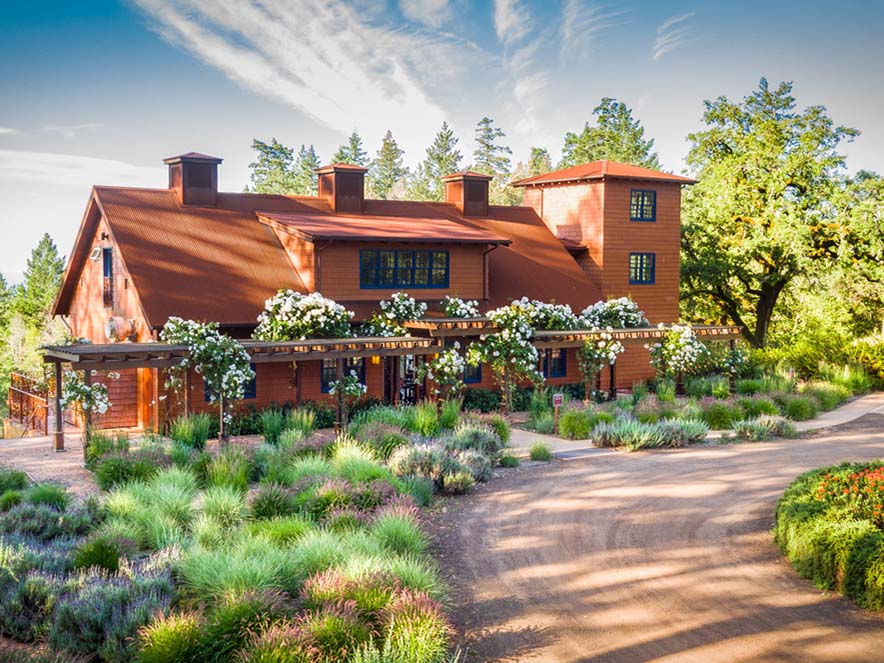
(597, 352)
(291, 316)
(347, 390)
(454, 307)
(396, 311)
(221, 360)
(620, 313)
(678, 353)
(445, 372)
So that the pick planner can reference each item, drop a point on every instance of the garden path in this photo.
(651, 556)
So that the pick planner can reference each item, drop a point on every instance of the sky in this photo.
(99, 92)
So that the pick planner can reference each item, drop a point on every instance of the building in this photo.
(586, 233)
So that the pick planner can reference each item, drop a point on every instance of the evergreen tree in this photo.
(352, 152)
(443, 158)
(41, 282)
(273, 170)
(305, 178)
(6, 293)
(493, 159)
(617, 136)
(387, 169)
(539, 162)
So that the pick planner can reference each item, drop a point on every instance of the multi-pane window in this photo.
(383, 268)
(643, 205)
(555, 363)
(249, 391)
(107, 265)
(472, 374)
(641, 268)
(330, 371)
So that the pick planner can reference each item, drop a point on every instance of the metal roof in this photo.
(600, 170)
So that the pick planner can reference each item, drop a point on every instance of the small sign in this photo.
(558, 400)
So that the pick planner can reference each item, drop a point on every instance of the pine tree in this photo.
(443, 158)
(617, 136)
(494, 159)
(352, 152)
(42, 280)
(539, 162)
(305, 178)
(6, 293)
(273, 170)
(387, 169)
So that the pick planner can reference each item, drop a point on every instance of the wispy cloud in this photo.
(433, 13)
(71, 130)
(7, 130)
(671, 34)
(583, 22)
(325, 59)
(512, 21)
(71, 170)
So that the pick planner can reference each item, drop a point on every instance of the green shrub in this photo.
(479, 437)
(543, 423)
(100, 444)
(417, 630)
(710, 385)
(797, 407)
(282, 531)
(272, 500)
(273, 422)
(719, 415)
(12, 479)
(356, 463)
(501, 427)
(337, 632)
(303, 420)
(679, 433)
(849, 376)
(540, 451)
(399, 534)
(50, 494)
(458, 482)
(764, 427)
(44, 522)
(324, 413)
(665, 391)
(773, 383)
(829, 396)
(282, 642)
(418, 460)
(424, 419)
(749, 387)
(449, 413)
(225, 504)
(509, 460)
(171, 638)
(191, 430)
(117, 468)
(231, 467)
(104, 551)
(575, 424)
(420, 489)
(382, 438)
(481, 400)
(231, 623)
(27, 607)
(757, 406)
(9, 499)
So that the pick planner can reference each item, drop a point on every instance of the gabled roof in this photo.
(364, 228)
(192, 156)
(597, 170)
(466, 174)
(340, 166)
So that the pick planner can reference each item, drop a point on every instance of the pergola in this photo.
(433, 333)
(116, 356)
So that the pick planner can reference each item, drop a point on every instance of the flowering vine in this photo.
(221, 360)
(86, 399)
(291, 316)
(454, 307)
(596, 353)
(396, 311)
(346, 391)
(445, 372)
(679, 352)
(618, 313)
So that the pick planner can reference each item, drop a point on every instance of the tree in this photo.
(493, 159)
(42, 280)
(352, 152)
(305, 178)
(539, 161)
(760, 215)
(443, 158)
(617, 136)
(386, 170)
(273, 171)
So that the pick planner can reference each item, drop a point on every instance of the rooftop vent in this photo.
(194, 177)
(468, 191)
(343, 186)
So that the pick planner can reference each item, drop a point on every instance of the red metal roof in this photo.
(340, 166)
(192, 156)
(365, 227)
(599, 170)
(472, 174)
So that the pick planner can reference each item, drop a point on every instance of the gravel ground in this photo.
(652, 556)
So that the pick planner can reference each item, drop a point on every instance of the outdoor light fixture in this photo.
(375, 360)
(96, 253)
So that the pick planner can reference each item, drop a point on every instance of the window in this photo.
(472, 374)
(397, 269)
(643, 205)
(330, 371)
(249, 391)
(641, 268)
(107, 264)
(555, 363)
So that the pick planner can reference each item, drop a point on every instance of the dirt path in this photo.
(663, 556)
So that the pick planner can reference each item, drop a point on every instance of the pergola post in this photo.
(612, 378)
(58, 433)
(87, 414)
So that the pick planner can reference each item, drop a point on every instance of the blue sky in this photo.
(99, 92)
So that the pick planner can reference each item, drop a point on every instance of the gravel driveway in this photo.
(655, 556)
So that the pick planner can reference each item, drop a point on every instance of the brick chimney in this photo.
(468, 191)
(194, 177)
(343, 186)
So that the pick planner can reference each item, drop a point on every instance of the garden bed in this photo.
(304, 548)
(829, 524)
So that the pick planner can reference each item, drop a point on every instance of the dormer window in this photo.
(643, 205)
(382, 268)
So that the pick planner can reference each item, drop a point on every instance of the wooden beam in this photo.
(58, 433)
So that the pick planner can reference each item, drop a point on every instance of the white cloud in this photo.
(512, 21)
(432, 13)
(70, 130)
(323, 58)
(582, 22)
(671, 34)
(71, 170)
(7, 130)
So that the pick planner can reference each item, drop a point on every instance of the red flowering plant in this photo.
(858, 490)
